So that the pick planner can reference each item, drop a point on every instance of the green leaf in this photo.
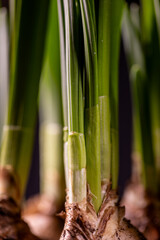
(116, 16)
(50, 88)
(4, 66)
(143, 118)
(92, 123)
(26, 63)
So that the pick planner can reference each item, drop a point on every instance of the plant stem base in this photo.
(82, 222)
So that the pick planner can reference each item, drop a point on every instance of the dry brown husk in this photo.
(40, 213)
(143, 210)
(12, 227)
(82, 222)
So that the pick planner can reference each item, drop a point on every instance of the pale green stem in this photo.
(132, 44)
(63, 61)
(76, 144)
(92, 121)
(64, 86)
(105, 139)
(51, 135)
(65, 154)
(25, 69)
(104, 76)
(76, 167)
(4, 68)
(116, 15)
(51, 156)
(92, 137)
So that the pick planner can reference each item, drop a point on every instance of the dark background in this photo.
(125, 130)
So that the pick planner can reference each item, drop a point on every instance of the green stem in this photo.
(72, 66)
(131, 39)
(4, 67)
(157, 16)
(104, 76)
(51, 139)
(15, 15)
(76, 145)
(141, 101)
(92, 5)
(77, 167)
(50, 88)
(51, 155)
(142, 50)
(92, 137)
(63, 61)
(90, 46)
(92, 123)
(64, 86)
(65, 154)
(147, 20)
(105, 139)
(26, 62)
(116, 15)
(155, 91)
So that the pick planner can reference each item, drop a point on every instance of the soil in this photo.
(82, 222)
(40, 213)
(143, 210)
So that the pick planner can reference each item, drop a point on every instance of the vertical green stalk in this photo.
(63, 60)
(131, 39)
(26, 62)
(11, 15)
(51, 137)
(154, 95)
(116, 15)
(104, 79)
(147, 20)
(51, 156)
(154, 84)
(155, 121)
(64, 86)
(92, 118)
(150, 29)
(76, 144)
(141, 101)
(93, 10)
(4, 67)
(134, 54)
(15, 8)
(144, 64)
(157, 16)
